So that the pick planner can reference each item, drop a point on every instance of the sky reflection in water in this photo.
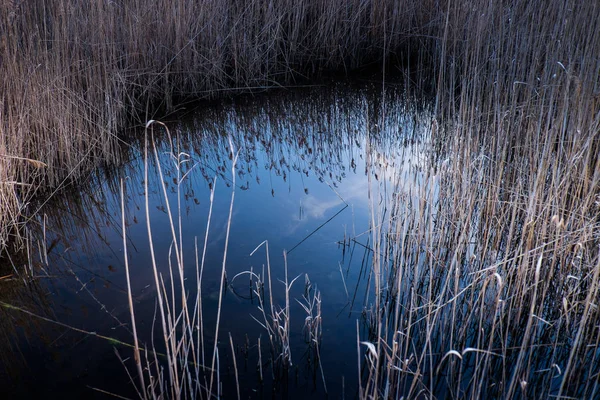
(303, 157)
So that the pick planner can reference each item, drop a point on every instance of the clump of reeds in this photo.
(486, 285)
(275, 319)
(184, 364)
(313, 326)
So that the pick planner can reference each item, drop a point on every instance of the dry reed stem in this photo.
(136, 350)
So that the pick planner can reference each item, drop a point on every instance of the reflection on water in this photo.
(301, 183)
(377, 230)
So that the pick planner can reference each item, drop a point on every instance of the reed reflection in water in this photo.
(304, 157)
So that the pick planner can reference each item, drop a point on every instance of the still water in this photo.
(313, 167)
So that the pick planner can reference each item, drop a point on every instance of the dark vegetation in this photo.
(500, 298)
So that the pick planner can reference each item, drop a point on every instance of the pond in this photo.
(269, 201)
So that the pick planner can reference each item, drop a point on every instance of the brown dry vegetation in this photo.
(500, 300)
(490, 288)
(73, 72)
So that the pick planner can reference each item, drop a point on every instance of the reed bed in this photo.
(75, 73)
(486, 286)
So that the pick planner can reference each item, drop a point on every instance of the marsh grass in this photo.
(190, 365)
(313, 327)
(74, 74)
(488, 288)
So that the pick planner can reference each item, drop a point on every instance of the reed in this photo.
(180, 324)
(485, 280)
